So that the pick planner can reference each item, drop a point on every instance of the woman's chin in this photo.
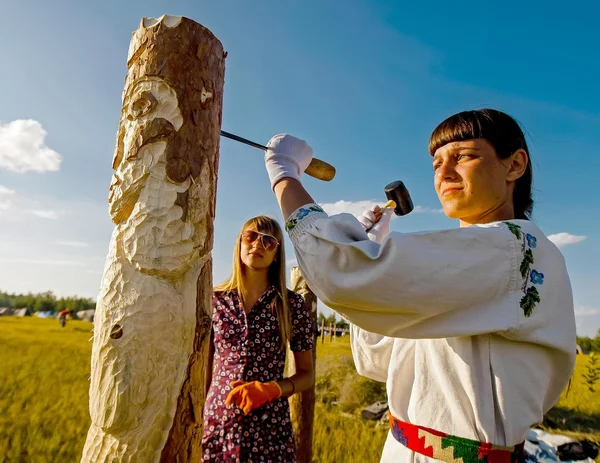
(257, 263)
(452, 212)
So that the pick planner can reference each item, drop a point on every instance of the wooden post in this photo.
(322, 331)
(331, 332)
(152, 323)
(302, 406)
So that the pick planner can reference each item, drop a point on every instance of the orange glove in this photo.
(250, 396)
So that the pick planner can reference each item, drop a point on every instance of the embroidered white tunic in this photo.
(472, 329)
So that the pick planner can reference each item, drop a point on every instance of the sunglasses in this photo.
(269, 242)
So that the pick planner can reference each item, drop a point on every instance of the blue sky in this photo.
(364, 82)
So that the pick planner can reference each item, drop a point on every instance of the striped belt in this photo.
(452, 449)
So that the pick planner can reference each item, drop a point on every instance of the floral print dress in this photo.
(247, 347)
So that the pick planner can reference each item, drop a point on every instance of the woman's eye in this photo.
(464, 156)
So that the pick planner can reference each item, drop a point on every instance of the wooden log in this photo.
(152, 323)
(302, 405)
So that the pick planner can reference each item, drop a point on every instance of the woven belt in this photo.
(451, 449)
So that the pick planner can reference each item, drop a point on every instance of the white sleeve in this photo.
(458, 282)
(371, 353)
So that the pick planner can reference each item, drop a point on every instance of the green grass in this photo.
(343, 437)
(577, 414)
(340, 434)
(44, 372)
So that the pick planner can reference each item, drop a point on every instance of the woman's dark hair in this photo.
(503, 133)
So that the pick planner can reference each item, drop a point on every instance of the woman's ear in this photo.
(517, 165)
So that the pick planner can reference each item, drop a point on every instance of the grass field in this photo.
(44, 373)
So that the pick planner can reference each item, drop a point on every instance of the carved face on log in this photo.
(149, 176)
(150, 119)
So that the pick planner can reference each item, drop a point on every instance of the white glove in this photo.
(288, 156)
(376, 231)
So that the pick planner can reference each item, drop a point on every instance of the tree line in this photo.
(48, 302)
(590, 344)
(45, 302)
(331, 320)
(587, 344)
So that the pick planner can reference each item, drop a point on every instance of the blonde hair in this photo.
(277, 276)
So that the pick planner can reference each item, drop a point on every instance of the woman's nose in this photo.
(445, 171)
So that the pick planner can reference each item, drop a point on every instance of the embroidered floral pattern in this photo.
(526, 263)
(300, 214)
(528, 302)
(537, 278)
(515, 229)
(531, 295)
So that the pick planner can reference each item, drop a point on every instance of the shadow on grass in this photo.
(84, 330)
(571, 420)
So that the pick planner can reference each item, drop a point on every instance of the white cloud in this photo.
(564, 239)
(43, 262)
(45, 214)
(356, 208)
(426, 210)
(16, 208)
(6, 197)
(94, 272)
(75, 244)
(586, 312)
(23, 148)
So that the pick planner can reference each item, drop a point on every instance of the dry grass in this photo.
(43, 389)
(44, 373)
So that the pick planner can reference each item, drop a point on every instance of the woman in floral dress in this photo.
(246, 415)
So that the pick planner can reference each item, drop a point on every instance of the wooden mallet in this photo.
(317, 168)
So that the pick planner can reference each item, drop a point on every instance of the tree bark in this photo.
(302, 405)
(152, 323)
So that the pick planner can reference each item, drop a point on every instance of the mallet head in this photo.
(397, 192)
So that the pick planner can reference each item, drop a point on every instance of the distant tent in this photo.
(45, 314)
(6, 311)
(580, 351)
(24, 312)
(86, 315)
